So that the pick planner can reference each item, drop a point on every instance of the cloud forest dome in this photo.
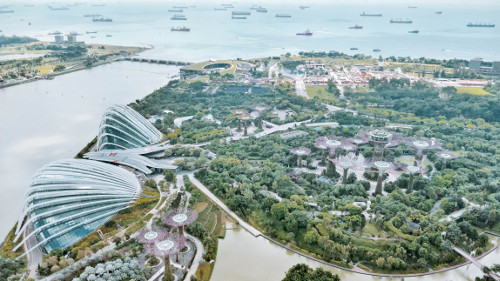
(123, 128)
(68, 199)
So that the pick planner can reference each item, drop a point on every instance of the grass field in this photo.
(473, 91)
(320, 92)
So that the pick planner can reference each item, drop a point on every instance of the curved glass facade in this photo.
(68, 199)
(123, 128)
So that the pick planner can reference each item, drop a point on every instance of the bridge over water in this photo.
(158, 61)
(475, 262)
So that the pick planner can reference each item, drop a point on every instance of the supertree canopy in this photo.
(412, 170)
(300, 152)
(333, 142)
(346, 163)
(382, 167)
(239, 112)
(381, 139)
(421, 145)
(152, 235)
(171, 244)
(445, 156)
(320, 143)
(180, 218)
(245, 119)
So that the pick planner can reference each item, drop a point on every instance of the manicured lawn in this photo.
(473, 91)
(320, 92)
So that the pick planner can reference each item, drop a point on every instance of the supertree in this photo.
(357, 142)
(172, 244)
(245, 119)
(346, 163)
(180, 218)
(382, 167)
(151, 235)
(413, 170)
(380, 139)
(348, 146)
(421, 145)
(239, 112)
(333, 142)
(320, 143)
(300, 151)
(260, 109)
(445, 156)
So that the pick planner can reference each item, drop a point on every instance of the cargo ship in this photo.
(227, 5)
(304, 7)
(90, 32)
(239, 17)
(102, 20)
(220, 9)
(6, 11)
(176, 10)
(241, 13)
(305, 33)
(180, 7)
(412, 7)
(91, 15)
(356, 27)
(178, 17)
(261, 10)
(376, 50)
(401, 21)
(370, 15)
(283, 16)
(353, 49)
(439, 12)
(470, 24)
(58, 8)
(182, 29)
(413, 31)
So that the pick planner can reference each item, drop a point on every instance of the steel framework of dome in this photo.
(124, 128)
(68, 199)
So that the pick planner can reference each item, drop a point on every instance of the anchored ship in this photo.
(353, 49)
(102, 20)
(413, 31)
(176, 10)
(356, 27)
(470, 24)
(370, 15)
(439, 12)
(91, 15)
(283, 16)
(220, 9)
(178, 17)
(401, 21)
(241, 13)
(182, 29)
(239, 17)
(6, 11)
(304, 7)
(261, 10)
(376, 50)
(305, 33)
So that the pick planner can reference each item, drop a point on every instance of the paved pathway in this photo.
(223, 206)
(197, 258)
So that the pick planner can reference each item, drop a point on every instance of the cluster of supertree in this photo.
(344, 152)
(159, 241)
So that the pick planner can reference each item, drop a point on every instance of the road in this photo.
(223, 206)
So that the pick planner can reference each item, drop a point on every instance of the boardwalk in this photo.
(474, 261)
(223, 206)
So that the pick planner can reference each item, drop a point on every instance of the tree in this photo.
(279, 210)
(302, 272)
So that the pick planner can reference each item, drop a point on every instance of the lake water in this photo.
(48, 120)
(243, 257)
(215, 35)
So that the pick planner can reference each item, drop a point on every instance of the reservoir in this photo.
(47, 120)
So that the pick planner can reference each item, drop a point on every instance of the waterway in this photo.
(215, 35)
(243, 257)
(52, 119)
